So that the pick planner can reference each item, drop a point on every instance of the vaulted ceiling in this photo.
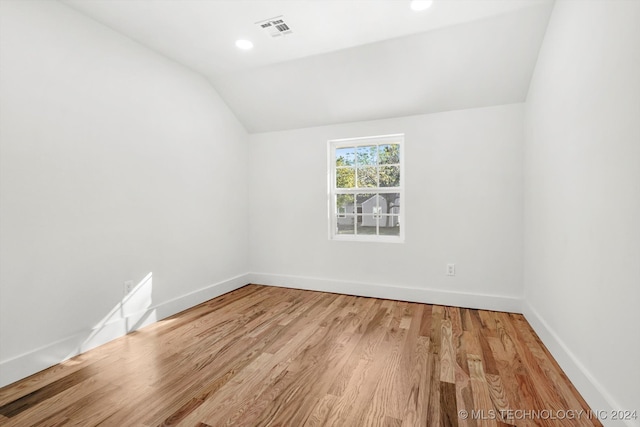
(344, 60)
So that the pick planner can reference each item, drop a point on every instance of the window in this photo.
(366, 189)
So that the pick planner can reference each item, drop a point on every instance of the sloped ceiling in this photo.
(345, 60)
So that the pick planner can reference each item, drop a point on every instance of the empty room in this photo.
(320, 213)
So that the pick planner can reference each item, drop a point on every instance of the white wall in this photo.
(463, 201)
(115, 162)
(582, 198)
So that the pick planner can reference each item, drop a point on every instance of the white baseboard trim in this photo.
(403, 293)
(598, 398)
(24, 365)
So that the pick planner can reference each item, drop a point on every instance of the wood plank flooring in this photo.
(263, 356)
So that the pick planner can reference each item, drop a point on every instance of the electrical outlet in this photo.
(128, 287)
(451, 269)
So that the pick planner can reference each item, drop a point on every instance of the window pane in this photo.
(345, 178)
(389, 176)
(393, 203)
(392, 227)
(367, 155)
(367, 177)
(389, 154)
(367, 225)
(345, 225)
(366, 201)
(345, 156)
(372, 204)
(344, 204)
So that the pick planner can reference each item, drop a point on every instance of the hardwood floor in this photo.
(273, 356)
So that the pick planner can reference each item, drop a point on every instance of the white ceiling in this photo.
(346, 60)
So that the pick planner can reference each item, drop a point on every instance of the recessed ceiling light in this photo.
(244, 44)
(419, 5)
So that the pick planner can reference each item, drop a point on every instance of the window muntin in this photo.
(366, 189)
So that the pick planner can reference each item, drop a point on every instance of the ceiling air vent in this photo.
(275, 27)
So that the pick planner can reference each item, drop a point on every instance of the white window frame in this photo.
(333, 191)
